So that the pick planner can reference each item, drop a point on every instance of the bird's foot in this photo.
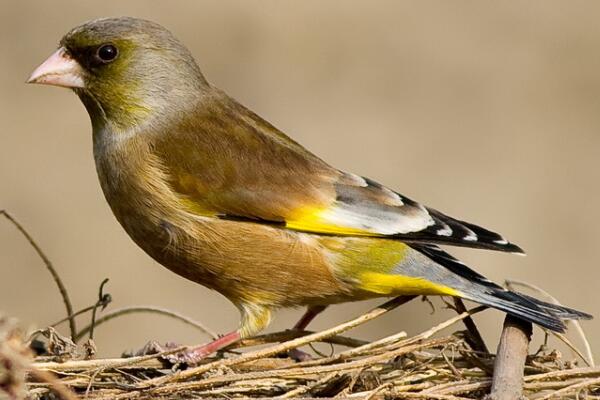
(299, 355)
(175, 359)
(153, 347)
(194, 355)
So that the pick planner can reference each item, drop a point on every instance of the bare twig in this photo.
(507, 383)
(50, 267)
(478, 342)
(57, 386)
(563, 338)
(422, 336)
(427, 396)
(589, 355)
(304, 389)
(566, 374)
(102, 302)
(149, 361)
(105, 301)
(559, 394)
(147, 309)
(293, 334)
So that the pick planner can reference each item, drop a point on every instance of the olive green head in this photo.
(124, 69)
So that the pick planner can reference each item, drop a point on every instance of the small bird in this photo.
(221, 197)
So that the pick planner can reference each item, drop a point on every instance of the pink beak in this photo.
(59, 70)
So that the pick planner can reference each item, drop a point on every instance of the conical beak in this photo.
(59, 69)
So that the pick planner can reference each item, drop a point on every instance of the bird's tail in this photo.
(481, 290)
(562, 312)
(550, 316)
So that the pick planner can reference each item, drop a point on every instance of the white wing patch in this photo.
(393, 199)
(364, 205)
(445, 231)
(375, 220)
(354, 180)
(470, 236)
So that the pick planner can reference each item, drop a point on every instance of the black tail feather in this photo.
(562, 312)
(488, 293)
(519, 306)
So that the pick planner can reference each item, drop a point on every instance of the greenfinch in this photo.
(221, 197)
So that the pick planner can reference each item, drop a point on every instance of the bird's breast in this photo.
(135, 186)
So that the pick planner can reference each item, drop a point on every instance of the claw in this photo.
(188, 357)
(153, 347)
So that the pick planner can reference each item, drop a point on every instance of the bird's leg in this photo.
(309, 315)
(195, 354)
(255, 318)
(192, 355)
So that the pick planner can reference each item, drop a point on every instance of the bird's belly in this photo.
(246, 262)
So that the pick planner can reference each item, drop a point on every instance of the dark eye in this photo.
(107, 53)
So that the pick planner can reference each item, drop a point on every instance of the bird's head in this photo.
(125, 70)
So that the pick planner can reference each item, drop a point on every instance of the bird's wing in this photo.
(227, 162)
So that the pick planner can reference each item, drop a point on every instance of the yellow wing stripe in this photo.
(318, 220)
(399, 285)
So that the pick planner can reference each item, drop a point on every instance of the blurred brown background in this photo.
(489, 111)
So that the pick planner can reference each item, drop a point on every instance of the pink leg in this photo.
(216, 345)
(309, 315)
(195, 354)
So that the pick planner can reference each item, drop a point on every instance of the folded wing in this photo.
(238, 166)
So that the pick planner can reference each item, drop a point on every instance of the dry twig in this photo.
(510, 359)
(49, 266)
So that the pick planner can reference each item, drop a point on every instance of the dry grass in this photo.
(425, 366)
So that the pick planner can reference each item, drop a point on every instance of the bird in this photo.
(220, 196)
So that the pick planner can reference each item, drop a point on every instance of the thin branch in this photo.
(293, 334)
(57, 386)
(589, 355)
(422, 336)
(142, 362)
(147, 309)
(571, 346)
(507, 382)
(75, 314)
(295, 393)
(100, 303)
(565, 374)
(559, 394)
(104, 299)
(427, 396)
(478, 342)
(51, 269)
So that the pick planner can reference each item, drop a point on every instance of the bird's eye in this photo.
(107, 53)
